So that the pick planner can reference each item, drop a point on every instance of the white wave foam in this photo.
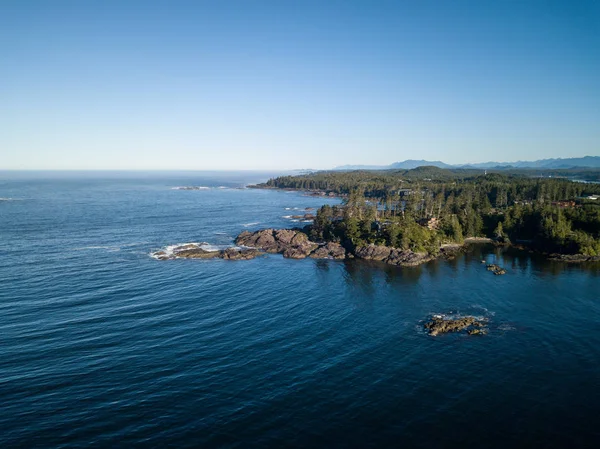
(287, 216)
(288, 208)
(295, 221)
(246, 225)
(457, 314)
(190, 188)
(9, 199)
(109, 248)
(485, 309)
(171, 251)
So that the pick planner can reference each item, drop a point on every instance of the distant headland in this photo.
(542, 164)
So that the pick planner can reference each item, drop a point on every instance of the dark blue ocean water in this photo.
(102, 345)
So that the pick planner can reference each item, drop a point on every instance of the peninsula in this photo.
(409, 217)
(426, 209)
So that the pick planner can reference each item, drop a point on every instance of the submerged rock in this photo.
(441, 325)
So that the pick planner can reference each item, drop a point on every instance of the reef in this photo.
(441, 325)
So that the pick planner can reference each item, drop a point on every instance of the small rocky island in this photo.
(439, 324)
(496, 269)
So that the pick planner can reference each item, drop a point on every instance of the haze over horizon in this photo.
(280, 85)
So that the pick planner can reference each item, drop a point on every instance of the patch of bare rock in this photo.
(191, 251)
(292, 243)
(496, 269)
(442, 325)
(392, 256)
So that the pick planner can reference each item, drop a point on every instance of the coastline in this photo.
(295, 244)
(553, 256)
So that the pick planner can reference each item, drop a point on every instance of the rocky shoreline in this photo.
(295, 244)
(573, 258)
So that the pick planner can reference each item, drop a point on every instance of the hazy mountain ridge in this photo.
(557, 163)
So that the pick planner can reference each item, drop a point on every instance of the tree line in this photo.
(422, 211)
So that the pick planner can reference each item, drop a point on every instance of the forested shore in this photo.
(422, 209)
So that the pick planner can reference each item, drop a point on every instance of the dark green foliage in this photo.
(393, 208)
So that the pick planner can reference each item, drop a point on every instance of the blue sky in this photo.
(295, 84)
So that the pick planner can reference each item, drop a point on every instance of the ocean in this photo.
(101, 345)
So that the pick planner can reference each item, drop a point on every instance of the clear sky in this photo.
(285, 84)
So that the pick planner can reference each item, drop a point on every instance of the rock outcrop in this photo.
(574, 258)
(441, 325)
(330, 250)
(291, 243)
(239, 254)
(496, 269)
(295, 244)
(195, 251)
(392, 256)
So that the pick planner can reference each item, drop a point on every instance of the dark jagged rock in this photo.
(496, 269)
(392, 256)
(297, 252)
(574, 258)
(441, 325)
(329, 251)
(264, 240)
(291, 243)
(373, 252)
(450, 251)
(407, 258)
(239, 254)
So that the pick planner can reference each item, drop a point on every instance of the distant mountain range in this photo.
(574, 162)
